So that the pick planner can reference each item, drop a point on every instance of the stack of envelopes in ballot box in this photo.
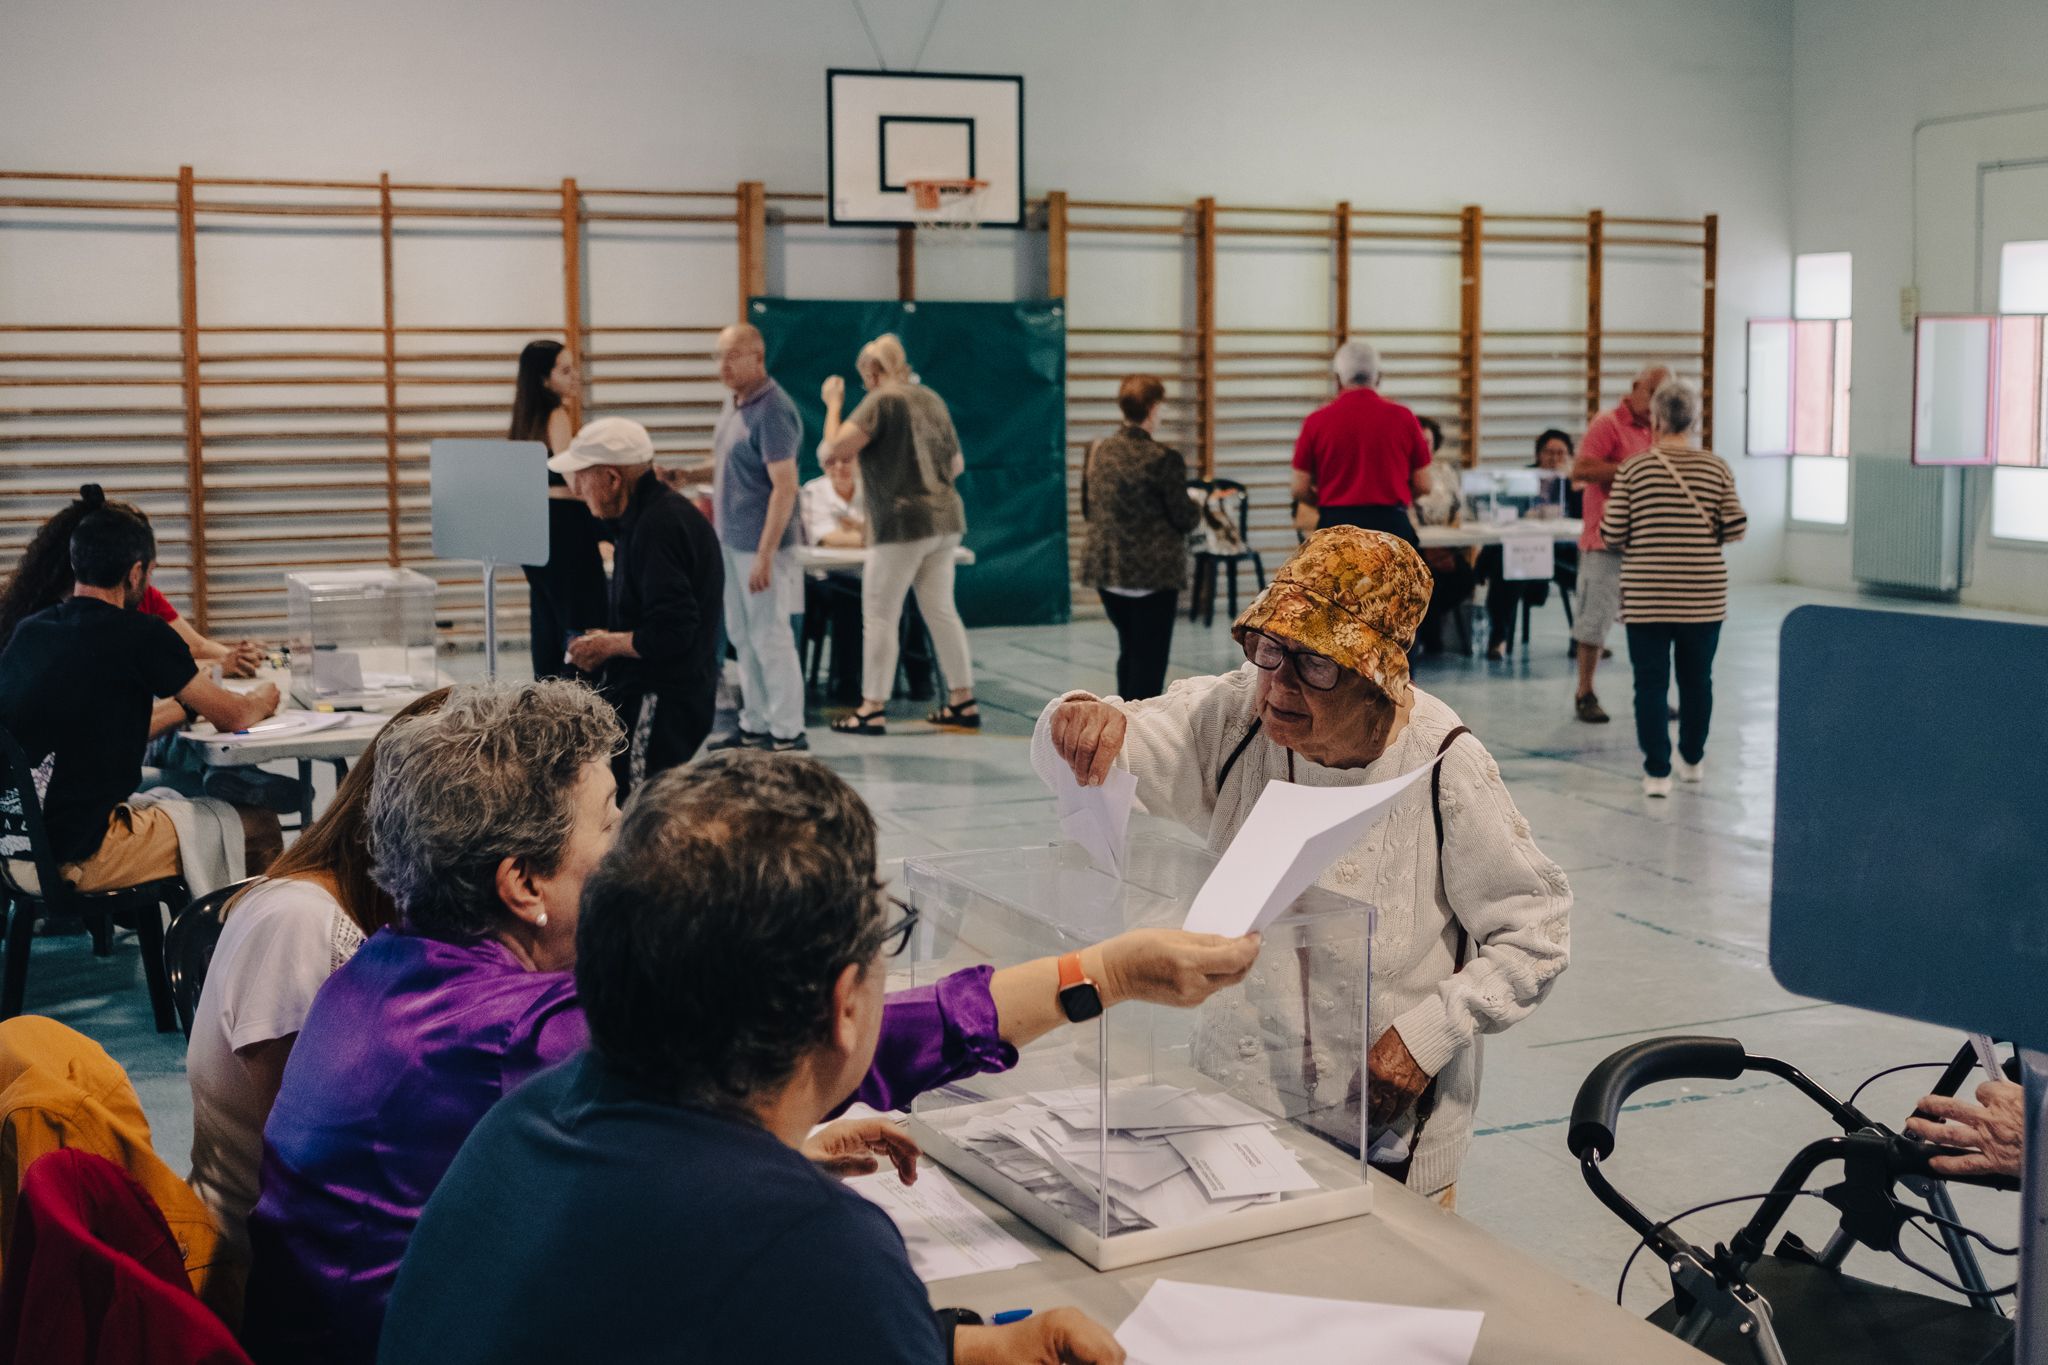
(1151, 1130)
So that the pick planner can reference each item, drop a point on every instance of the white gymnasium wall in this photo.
(1660, 107)
(1896, 105)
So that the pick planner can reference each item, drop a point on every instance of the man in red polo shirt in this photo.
(1619, 434)
(1361, 460)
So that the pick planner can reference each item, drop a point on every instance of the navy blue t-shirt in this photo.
(585, 1220)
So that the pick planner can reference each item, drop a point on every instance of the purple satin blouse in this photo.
(405, 1049)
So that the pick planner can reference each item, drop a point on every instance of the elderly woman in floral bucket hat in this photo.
(1474, 922)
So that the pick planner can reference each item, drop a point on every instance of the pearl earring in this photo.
(540, 921)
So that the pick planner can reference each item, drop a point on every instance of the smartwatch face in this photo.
(1080, 1001)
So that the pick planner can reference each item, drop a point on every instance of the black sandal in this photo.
(859, 722)
(955, 715)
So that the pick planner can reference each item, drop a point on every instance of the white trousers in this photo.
(892, 570)
(757, 623)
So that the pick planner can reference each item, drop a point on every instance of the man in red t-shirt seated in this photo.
(1361, 460)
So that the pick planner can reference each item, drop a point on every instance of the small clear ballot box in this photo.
(1152, 1130)
(361, 637)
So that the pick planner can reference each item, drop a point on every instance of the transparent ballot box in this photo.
(1494, 496)
(361, 636)
(1151, 1130)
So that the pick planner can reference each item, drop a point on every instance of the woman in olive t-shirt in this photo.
(909, 457)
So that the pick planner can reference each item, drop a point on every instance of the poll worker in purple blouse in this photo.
(485, 820)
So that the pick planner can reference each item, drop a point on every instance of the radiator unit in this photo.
(1908, 527)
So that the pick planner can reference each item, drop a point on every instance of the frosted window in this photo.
(1820, 490)
(1952, 390)
(2023, 278)
(2019, 391)
(1813, 388)
(1820, 285)
(1770, 387)
(2019, 504)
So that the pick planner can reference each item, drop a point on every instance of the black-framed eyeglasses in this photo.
(1315, 670)
(896, 933)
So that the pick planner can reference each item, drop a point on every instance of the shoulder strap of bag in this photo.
(1426, 1106)
(1436, 808)
(1685, 488)
(1223, 773)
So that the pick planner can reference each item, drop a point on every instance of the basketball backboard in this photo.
(884, 129)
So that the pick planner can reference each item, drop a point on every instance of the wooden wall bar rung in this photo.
(341, 477)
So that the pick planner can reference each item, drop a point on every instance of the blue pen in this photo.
(1004, 1319)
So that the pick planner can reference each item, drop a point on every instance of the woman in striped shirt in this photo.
(1670, 511)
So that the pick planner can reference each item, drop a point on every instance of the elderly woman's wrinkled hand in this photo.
(1088, 735)
(1394, 1080)
(1993, 1130)
(850, 1147)
(1173, 966)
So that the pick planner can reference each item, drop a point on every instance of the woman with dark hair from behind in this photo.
(1505, 596)
(42, 578)
(566, 596)
(281, 939)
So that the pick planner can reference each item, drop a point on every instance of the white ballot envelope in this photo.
(1294, 834)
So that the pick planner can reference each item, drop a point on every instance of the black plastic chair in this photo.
(1202, 596)
(23, 839)
(189, 945)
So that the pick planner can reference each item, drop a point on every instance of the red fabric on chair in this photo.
(94, 1276)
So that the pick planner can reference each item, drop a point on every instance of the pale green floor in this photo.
(1669, 934)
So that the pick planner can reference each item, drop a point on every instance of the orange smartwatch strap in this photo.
(1070, 971)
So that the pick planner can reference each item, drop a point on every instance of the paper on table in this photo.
(283, 725)
(1203, 1324)
(1294, 832)
(1097, 818)
(946, 1235)
(1238, 1163)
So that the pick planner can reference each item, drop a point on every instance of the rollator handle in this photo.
(1608, 1086)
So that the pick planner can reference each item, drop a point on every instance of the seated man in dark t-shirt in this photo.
(646, 1201)
(80, 690)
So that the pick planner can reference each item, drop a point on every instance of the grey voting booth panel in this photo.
(1910, 873)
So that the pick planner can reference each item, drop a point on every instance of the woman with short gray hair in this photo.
(1669, 512)
(486, 820)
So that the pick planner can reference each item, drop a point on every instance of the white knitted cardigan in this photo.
(1513, 902)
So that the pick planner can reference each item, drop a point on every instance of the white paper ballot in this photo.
(1204, 1324)
(1240, 1163)
(283, 725)
(946, 1235)
(1097, 818)
(1293, 834)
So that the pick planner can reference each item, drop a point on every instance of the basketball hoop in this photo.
(945, 210)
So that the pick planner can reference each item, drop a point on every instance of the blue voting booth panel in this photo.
(1910, 873)
(490, 500)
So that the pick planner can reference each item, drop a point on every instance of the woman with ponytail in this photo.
(43, 578)
(566, 596)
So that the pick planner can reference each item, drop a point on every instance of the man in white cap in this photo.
(658, 661)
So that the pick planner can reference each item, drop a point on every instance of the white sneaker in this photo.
(1656, 786)
(1690, 772)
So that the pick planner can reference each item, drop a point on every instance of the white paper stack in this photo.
(1173, 1155)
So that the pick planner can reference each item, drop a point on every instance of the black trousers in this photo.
(1144, 637)
(664, 729)
(566, 595)
(1393, 520)
(1452, 589)
(1653, 646)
